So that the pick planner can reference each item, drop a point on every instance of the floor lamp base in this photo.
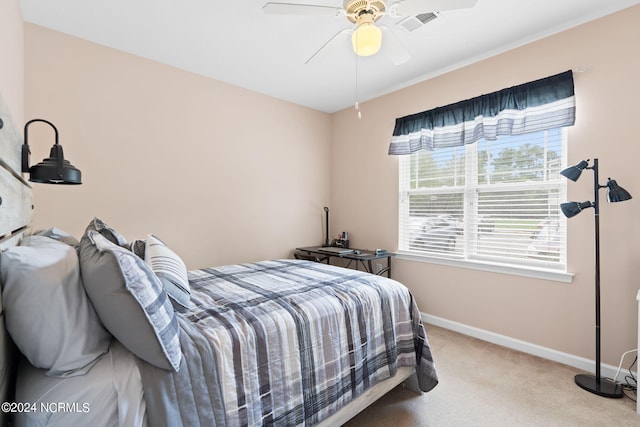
(605, 387)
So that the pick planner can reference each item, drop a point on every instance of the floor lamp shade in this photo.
(570, 209)
(616, 193)
(574, 172)
(52, 170)
(595, 383)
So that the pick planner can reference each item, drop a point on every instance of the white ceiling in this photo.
(236, 42)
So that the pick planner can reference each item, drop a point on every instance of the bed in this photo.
(115, 332)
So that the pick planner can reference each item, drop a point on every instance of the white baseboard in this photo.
(607, 371)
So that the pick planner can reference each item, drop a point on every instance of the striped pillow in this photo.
(170, 269)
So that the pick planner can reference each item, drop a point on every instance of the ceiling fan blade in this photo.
(273, 8)
(335, 39)
(416, 7)
(393, 47)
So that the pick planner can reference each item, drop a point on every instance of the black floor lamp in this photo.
(594, 383)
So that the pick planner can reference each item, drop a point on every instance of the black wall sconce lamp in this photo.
(594, 383)
(52, 170)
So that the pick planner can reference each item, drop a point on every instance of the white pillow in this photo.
(48, 313)
(170, 269)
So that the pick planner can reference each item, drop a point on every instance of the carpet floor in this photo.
(482, 384)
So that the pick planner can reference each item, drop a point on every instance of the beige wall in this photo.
(11, 64)
(221, 174)
(552, 314)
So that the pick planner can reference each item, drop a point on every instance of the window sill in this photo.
(536, 273)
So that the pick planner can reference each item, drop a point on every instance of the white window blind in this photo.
(491, 201)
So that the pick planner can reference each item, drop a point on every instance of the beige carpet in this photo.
(482, 384)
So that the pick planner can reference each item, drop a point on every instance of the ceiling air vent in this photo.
(412, 23)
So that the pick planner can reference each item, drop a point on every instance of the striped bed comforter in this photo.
(286, 343)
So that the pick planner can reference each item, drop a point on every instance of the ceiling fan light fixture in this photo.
(366, 39)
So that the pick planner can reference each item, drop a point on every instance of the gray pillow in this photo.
(48, 314)
(130, 301)
(109, 232)
(170, 269)
(137, 247)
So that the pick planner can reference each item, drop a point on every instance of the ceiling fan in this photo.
(366, 37)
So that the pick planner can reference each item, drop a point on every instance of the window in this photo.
(491, 201)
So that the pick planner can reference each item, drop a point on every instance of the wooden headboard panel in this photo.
(15, 216)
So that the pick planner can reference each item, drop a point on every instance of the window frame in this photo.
(471, 190)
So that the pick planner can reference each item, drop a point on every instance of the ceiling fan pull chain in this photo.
(357, 105)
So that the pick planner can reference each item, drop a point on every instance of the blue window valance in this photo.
(547, 103)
